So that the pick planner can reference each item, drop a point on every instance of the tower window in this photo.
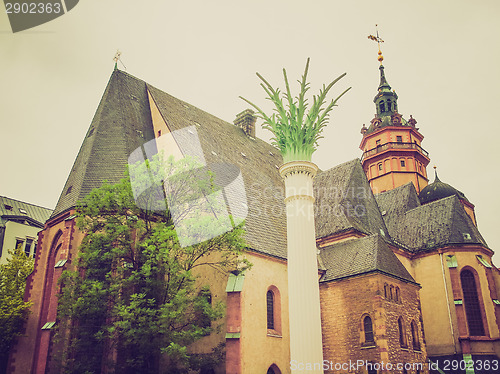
(399, 139)
(471, 301)
(389, 105)
(382, 106)
(403, 164)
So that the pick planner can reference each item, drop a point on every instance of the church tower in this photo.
(391, 145)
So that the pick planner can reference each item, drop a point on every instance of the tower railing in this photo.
(393, 145)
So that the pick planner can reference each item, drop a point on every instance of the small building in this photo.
(20, 223)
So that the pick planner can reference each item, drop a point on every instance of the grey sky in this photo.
(441, 57)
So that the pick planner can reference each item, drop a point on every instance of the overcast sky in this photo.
(442, 58)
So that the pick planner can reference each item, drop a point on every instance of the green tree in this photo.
(132, 300)
(13, 309)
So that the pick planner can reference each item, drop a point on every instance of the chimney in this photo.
(246, 121)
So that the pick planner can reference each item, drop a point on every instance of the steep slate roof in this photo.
(36, 215)
(425, 227)
(344, 200)
(396, 202)
(121, 123)
(360, 256)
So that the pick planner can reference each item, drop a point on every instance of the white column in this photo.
(306, 346)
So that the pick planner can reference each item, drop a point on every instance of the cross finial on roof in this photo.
(379, 40)
(117, 58)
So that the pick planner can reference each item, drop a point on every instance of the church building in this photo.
(406, 280)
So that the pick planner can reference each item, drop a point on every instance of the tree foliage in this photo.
(296, 129)
(132, 303)
(13, 309)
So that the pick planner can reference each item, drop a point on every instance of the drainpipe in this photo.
(448, 303)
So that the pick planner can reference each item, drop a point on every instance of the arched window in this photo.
(386, 291)
(273, 369)
(273, 311)
(382, 106)
(368, 330)
(396, 298)
(402, 335)
(391, 288)
(389, 104)
(270, 310)
(471, 301)
(414, 336)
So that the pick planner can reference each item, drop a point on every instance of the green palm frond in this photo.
(296, 127)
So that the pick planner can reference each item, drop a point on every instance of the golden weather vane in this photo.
(379, 40)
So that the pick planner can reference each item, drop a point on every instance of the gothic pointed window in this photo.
(273, 369)
(270, 310)
(471, 301)
(402, 334)
(204, 319)
(273, 311)
(368, 330)
(414, 336)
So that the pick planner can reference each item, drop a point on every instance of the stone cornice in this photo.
(298, 167)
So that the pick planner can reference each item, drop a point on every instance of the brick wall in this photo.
(344, 305)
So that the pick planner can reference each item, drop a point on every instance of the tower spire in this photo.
(386, 98)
